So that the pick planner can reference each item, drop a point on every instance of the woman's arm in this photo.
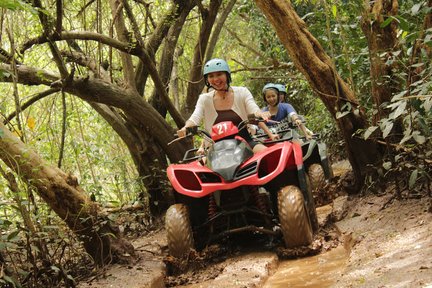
(195, 118)
(182, 132)
(265, 128)
(306, 132)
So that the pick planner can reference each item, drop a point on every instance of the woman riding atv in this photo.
(280, 111)
(225, 103)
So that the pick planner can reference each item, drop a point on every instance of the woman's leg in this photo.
(259, 148)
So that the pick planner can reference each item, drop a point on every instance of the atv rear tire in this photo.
(295, 224)
(316, 176)
(179, 231)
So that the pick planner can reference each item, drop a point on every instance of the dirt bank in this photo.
(391, 243)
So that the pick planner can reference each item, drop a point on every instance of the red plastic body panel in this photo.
(223, 129)
(273, 161)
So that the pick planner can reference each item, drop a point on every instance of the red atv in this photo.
(235, 190)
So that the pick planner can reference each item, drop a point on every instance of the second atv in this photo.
(315, 158)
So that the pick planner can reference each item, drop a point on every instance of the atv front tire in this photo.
(293, 217)
(316, 176)
(179, 231)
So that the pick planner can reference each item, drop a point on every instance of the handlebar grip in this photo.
(251, 116)
(192, 130)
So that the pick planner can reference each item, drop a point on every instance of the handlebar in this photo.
(191, 131)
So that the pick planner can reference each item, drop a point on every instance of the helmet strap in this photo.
(228, 83)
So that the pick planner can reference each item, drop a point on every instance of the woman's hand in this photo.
(298, 122)
(182, 132)
(263, 114)
(274, 137)
(200, 151)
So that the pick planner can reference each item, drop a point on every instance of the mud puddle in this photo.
(267, 269)
(316, 271)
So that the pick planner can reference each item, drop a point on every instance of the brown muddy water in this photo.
(316, 271)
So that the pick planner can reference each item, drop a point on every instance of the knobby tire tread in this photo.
(179, 231)
(294, 221)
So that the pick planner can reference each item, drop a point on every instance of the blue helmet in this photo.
(273, 86)
(281, 88)
(216, 65)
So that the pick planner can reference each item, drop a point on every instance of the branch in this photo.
(161, 32)
(59, 8)
(146, 7)
(124, 35)
(29, 76)
(85, 7)
(63, 132)
(134, 24)
(47, 31)
(262, 68)
(256, 52)
(85, 61)
(5, 57)
(32, 100)
(201, 8)
(217, 29)
(84, 35)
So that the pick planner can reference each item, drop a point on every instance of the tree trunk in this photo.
(146, 125)
(382, 42)
(195, 77)
(312, 61)
(217, 30)
(167, 58)
(102, 240)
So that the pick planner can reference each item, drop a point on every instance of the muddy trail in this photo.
(248, 261)
(363, 241)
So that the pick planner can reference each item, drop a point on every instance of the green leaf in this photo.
(17, 5)
(412, 179)
(400, 109)
(387, 22)
(4, 73)
(10, 4)
(415, 9)
(387, 165)
(387, 128)
(427, 104)
(12, 235)
(403, 24)
(334, 10)
(399, 96)
(341, 114)
(9, 280)
(420, 139)
(369, 131)
(417, 65)
(405, 138)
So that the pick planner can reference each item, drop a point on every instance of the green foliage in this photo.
(34, 239)
(410, 107)
(17, 5)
